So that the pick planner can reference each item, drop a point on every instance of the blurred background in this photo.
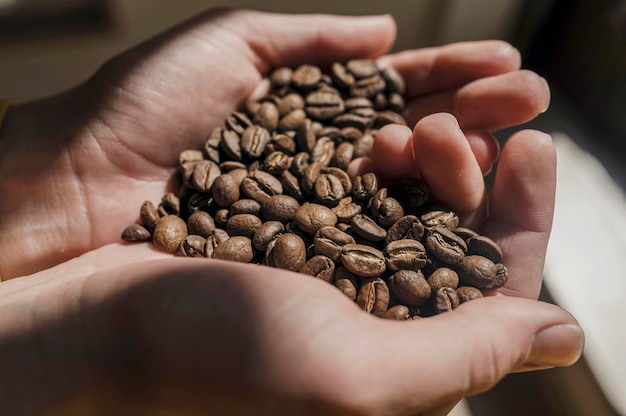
(579, 46)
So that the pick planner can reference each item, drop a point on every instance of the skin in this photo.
(98, 325)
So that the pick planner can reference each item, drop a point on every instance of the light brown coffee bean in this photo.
(410, 287)
(443, 277)
(405, 255)
(482, 273)
(373, 296)
(407, 227)
(201, 223)
(281, 208)
(237, 248)
(136, 232)
(254, 139)
(320, 267)
(363, 260)
(311, 217)
(329, 241)
(445, 300)
(346, 282)
(148, 215)
(445, 245)
(243, 224)
(440, 218)
(266, 116)
(397, 313)
(289, 252)
(168, 233)
(467, 293)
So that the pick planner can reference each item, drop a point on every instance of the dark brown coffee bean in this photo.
(323, 151)
(291, 185)
(281, 77)
(320, 267)
(363, 260)
(411, 192)
(204, 174)
(311, 217)
(343, 177)
(199, 201)
(299, 163)
(395, 81)
(281, 143)
(389, 211)
(170, 205)
(443, 277)
(221, 216)
(328, 189)
(253, 141)
(362, 68)
(373, 296)
(396, 103)
(484, 246)
(366, 227)
(236, 122)
(212, 145)
(343, 155)
(407, 227)
(231, 144)
(410, 287)
(305, 136)
(445, 300)
(289, 252)
(368, 87)
(324, 104)
(237, 248)
(346, 282)
(267, 232)
(397, 313)
(275, 163)
(363, 146)
(281, 208)
(226, 189)
(136, 232)
(289, 103)
(309, 176)
(346, 209)
(405, 255)
(445, 245)
(374, 203)
(168, 233)
(352, 120)
(201, 223)
(243, 224)
(365, 186)
(341, 76)
(440, 218)
(148, 215)
(192, 246)
(228, 166)
(329, 241)
(465, 233)
(244, 206)
(385, 117)
(306, 76)
(293, 120)
(354, 103)
(467, 293)
(260, 185)
(482, 273)
(266, 116)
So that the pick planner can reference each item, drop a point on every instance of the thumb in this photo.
(467, 351)
(291, 39)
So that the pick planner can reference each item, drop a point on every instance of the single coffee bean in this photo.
(410, 287)
(244, 206)
(365, 186)
(168, 233)
(289, 103)
(323, 151)
(405, 255)
(362, 68)
(226, 189)
(368, 87)
(388, 117)
(170, 204)
(440, 218)
(221, 217)
(192, 246)
(231, 144)
(148, 215)
(199, 201)
(443, 277)
(212, 145)
(373, 296)
(366, 227)
(237, 122)
(346, 282)
(306, 76)
(320, 267)
(445, 300)
(291, 185)
(352, 120)
(329, 241)
(343, 155)
(393, 79)
(482, 273)
(328, 189)
(484, 246)
(299, 163)
(445, 245)
(276, 162)
(465, 233)
(389, 211)
(204, 174)
(254, 139)
(341, 76)
(281, 77)
(375, 202)
(237, 248)
(363, 260)
(289, 252)
(467, 293)
(397, 313)
(311, 217)
(281, 143)
(305, 136)
(324, 104)
(407, 227)
(363, 146)
(343, 177)
(201, 223)
(243, 224)
(346, 209)
(260, 185)
(267, 232)
(309, 176)
(136, 232)
(281, 208)
(266, 116)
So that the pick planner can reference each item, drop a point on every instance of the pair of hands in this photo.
(127, 328)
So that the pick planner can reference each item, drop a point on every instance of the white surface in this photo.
(586, 263)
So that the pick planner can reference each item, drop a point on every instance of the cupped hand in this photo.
(77, 166)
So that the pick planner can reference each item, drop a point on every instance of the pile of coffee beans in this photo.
(270, 187)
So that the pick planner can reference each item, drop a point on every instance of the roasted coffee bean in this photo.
(281, 208)
(231, 144)
(366, 227)
(192, 246)
(244, 206)
(212, 145)
(324, 104)
(221, 216)
(226, 189)
(368, 87)
(346, 282)
(306, 76)
(291, 185)
(199, 201)
(467, 293)
(204, 174)
(260, 185)
(320, 267)
(407, 227)
(328, 189)
(405, 255)
(445, 300)
(281, 77)
(440, 218)
(201, 223)
(443, 277)
(243, 224)
(267, 232)
(329, 241)
(365, 186)
(311, 217)
(445, 245)
(323, 151)
(170, 205)
(410, 287)
(237, 122)
(394, 81)
(352, 120)
(299, 163)
(289, 103)
(253, 141)
(309, 176)
(363, 260)
(276, 163)
(266, 116)
(305, 136)
(484, 246)
(387, 117)
(136, 232)
(363, 146)
(482, 273)
(373, 296)
(237, 248)
(389, 211)
(375, 202)
(346, 209)
(397, 313)
(148, 215)
(188, 158)
(343, 155)
(281, 143)
(170, 230)
(341, 76)
(362, 68)
(289, 252)
(465, 233)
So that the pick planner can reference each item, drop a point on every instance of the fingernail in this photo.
(547, 104)
(556, 346)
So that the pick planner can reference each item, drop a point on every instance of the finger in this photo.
(280, 39)
(446, 163)
(469, 350)
(489, 103)
(522, 208)
(485, 148)
(429, 70)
